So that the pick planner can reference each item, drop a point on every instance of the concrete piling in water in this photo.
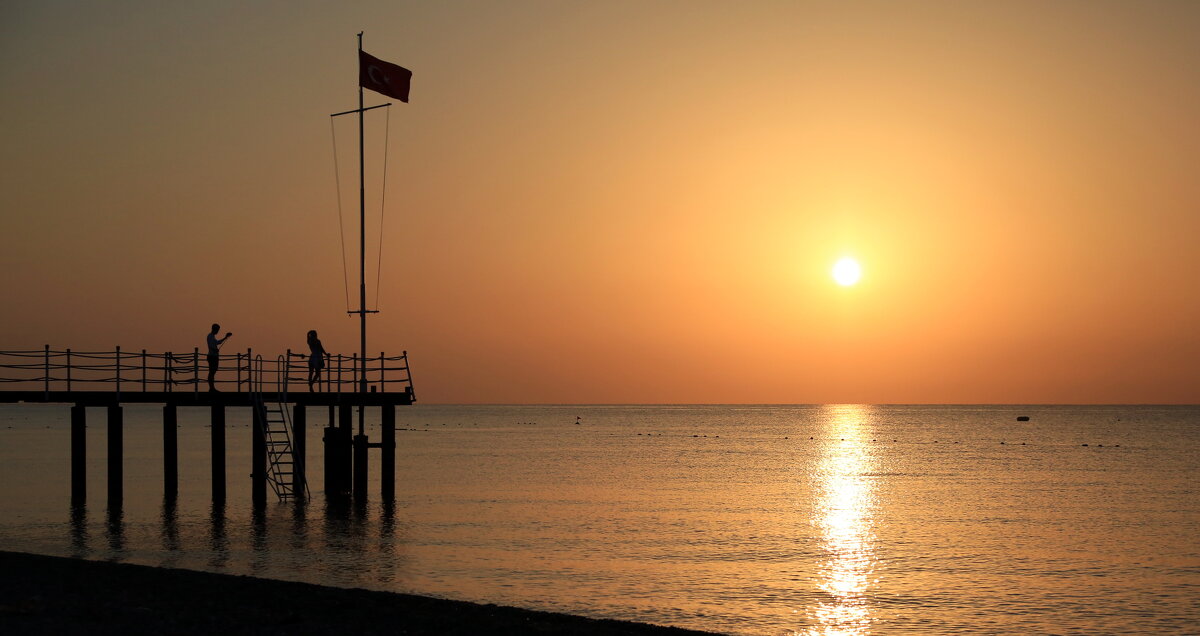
(78, 455)
(387, 452)
(360, 468)
(116, 447)
(330, 440)
(170, 453)
(258, 459)
(299, 441)
(344, 450)
(218, 453)
(337, 463)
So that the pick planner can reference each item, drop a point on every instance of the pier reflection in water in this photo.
(843, 519)
(350, 545)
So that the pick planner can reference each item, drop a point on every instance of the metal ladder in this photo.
(277, 434)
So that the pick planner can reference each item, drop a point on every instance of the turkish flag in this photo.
(383, 77)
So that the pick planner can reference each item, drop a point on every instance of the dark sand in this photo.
(52, 595)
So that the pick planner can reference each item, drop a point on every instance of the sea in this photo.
(824, 519)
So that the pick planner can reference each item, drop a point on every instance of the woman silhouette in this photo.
(316, 360)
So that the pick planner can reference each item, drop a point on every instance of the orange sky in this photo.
(625, 201)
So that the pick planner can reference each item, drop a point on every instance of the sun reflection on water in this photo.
(843, 518)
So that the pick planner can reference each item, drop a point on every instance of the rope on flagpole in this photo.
(382, 199)
(337, 181)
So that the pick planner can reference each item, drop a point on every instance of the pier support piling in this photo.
(170, 453)
(345, 450)
(116, 447)
(78, 455)
(360, 468)
(218, 453)
(387, 453)
(258, 459)
(299, 441)
(337, 463)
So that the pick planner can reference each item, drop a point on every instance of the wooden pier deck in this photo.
(123, 377)
(204, 398)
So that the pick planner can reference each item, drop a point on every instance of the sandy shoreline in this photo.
(53, 595)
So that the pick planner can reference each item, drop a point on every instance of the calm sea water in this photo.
(738, 519)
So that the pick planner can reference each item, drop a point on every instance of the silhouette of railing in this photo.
(117, 371)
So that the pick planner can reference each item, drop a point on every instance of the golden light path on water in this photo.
(843, 517)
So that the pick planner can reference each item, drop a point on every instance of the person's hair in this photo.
(216, 327)
(312, 334)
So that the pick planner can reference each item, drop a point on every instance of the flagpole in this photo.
(362, 252)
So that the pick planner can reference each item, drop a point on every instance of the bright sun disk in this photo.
(846, 272)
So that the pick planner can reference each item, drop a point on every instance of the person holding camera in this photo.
(214, 354)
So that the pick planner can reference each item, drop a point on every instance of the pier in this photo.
(276, 390)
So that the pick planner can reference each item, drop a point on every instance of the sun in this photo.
(846, 272)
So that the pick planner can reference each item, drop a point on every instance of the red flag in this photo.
(383, 77)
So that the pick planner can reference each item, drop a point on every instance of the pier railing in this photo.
(141, 371)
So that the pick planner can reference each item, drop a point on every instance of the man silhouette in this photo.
(214, 354)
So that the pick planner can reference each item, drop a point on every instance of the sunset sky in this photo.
(624, 202)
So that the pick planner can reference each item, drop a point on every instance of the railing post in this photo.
(168, 372)
(407, 374)
(238, 364)
(143, 370)
(339, 380)
(249, 353)
(196, 371)
(354, 373)
(46, 388)
(118, 365)
(68, 370)
(287, 371)
(382, 373)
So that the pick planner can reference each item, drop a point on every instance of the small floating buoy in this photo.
(1001, 443)
(1084, 444)
(1022, 418)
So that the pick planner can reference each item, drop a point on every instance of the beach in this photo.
(54, 595)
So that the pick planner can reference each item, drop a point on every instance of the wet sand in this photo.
(52, 595)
